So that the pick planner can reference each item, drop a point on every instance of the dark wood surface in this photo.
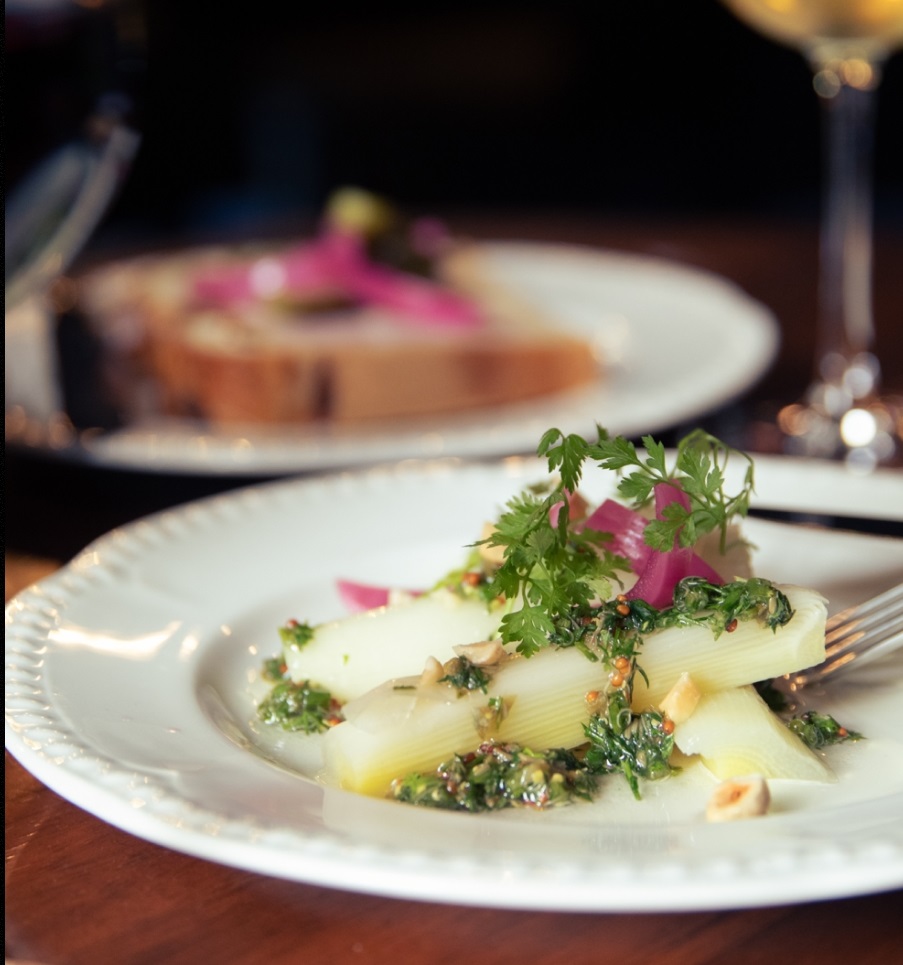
(80, 891)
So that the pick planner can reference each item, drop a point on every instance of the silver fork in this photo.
(856, 636)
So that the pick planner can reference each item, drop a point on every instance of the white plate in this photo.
(130, 678)
(649, 317)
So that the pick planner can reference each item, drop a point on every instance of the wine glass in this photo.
(74, 68)
(846, 43)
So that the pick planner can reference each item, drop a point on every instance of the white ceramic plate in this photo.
(130, 681)
(649, 317)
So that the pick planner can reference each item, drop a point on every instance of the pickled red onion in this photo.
(657, 572)
(364, 596)
(662, 571)
(336, 262)
(626, 527)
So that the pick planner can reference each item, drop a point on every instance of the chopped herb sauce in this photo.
(295, 634)
(497, 776)
(297, 706)
(820, 730)
(464, 675)
(635, 745)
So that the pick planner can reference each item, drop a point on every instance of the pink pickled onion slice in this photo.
(336, 262)
(299, 271)
(664, 571)
(364, 596)
(657, 572)
(626, 526)
(409, 295)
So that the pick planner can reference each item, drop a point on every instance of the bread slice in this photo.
(276, 363)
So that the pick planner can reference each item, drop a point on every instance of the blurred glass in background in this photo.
(74, 70)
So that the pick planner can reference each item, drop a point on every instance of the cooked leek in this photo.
(734, 733)
(350, 656)
(749, 653)
(402, 726)
(543, 701)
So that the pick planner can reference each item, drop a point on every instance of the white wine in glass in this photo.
(846, 43)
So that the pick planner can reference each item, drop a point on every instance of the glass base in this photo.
(865, 433)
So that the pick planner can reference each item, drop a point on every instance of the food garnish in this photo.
(365, 252)
(497, 776)
(297, 706)
(817, 730)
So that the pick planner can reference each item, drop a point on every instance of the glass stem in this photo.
(845, 326)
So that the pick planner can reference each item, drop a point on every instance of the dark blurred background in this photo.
(643, 120)
(256, 111)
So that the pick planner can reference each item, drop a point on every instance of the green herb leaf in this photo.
(295, 635)
(300, 707)
(699, 470)
(530, 626)
(464, 675)
(274, 670)
(717, 606)
(817, 730)
(548, 567)
(636, 745)
(565, 455)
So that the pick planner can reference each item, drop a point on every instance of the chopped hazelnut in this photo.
(738, 798)
(681, 700)
(483, 654)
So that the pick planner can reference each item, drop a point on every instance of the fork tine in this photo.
(876, 645)
(841, 638)
(826, 671)
(866, 641)
(859, 634)
(892, 599)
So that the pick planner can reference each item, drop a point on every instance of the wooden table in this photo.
(80, 891)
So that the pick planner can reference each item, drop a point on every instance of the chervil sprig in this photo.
(548, 565)
(699, 471)
(566, 455)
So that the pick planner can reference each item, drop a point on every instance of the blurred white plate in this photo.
(677, 342)
(130, 680)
